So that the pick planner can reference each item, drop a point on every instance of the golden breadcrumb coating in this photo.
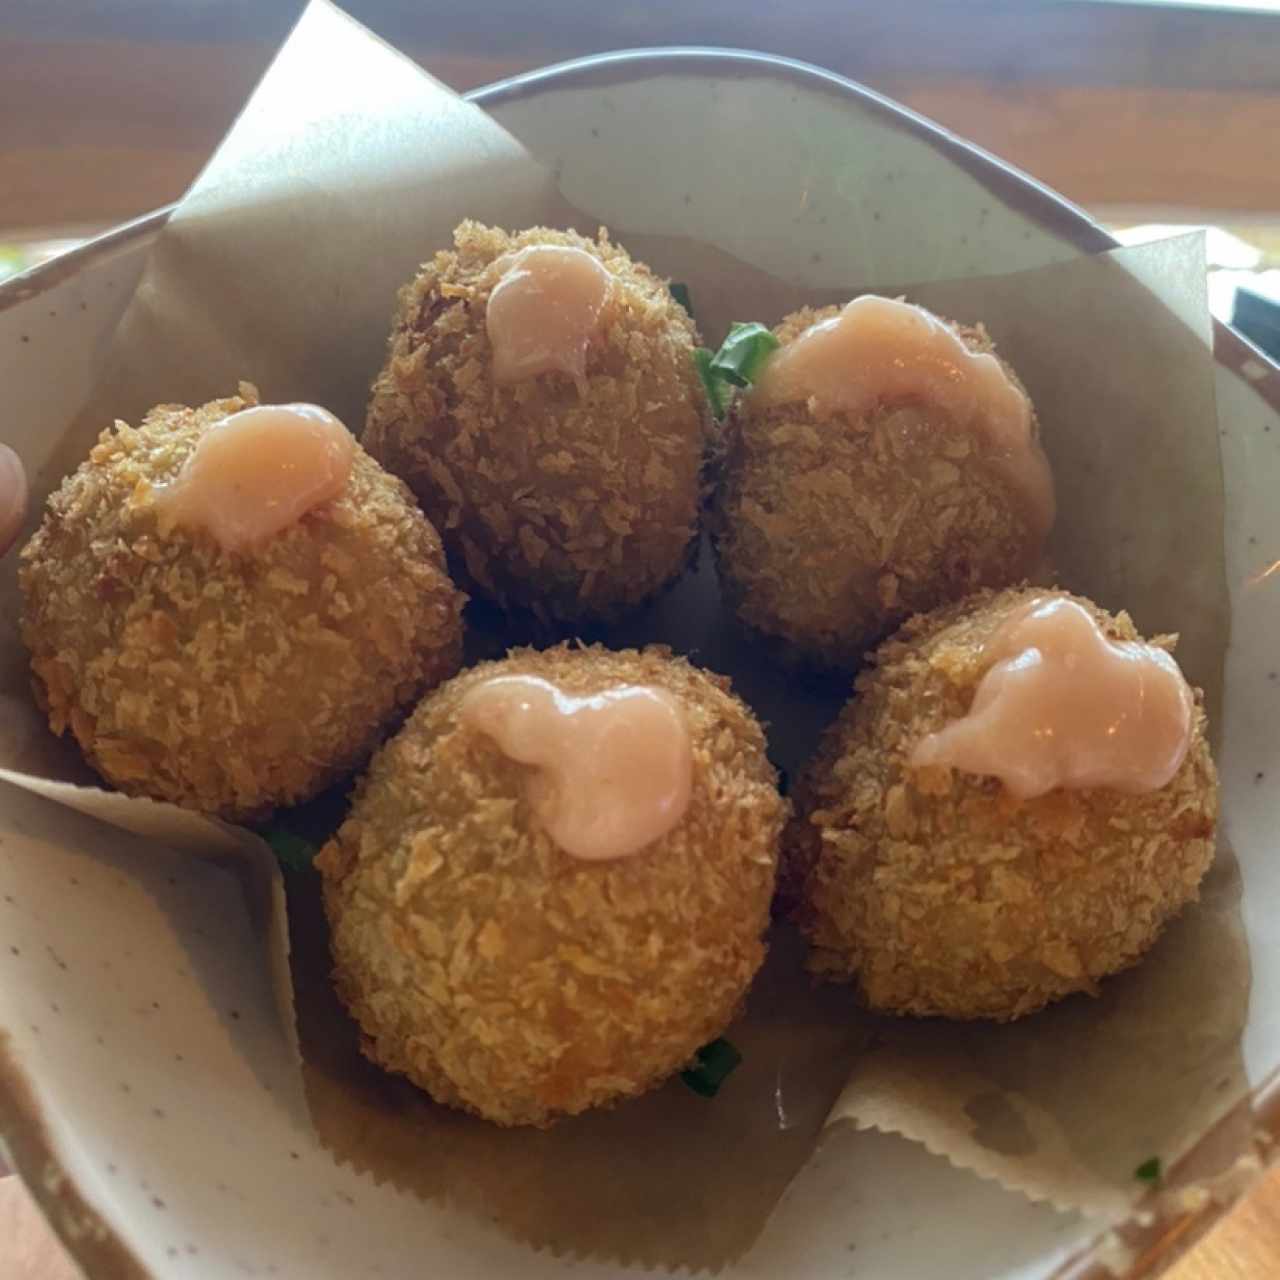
(230, 683)
(574, 500)
(510, 979)
(830, 529)
(937, 891)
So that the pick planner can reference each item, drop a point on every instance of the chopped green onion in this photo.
(743, 353)
(680, 292)
(716, 1061)
(717, 391)
(292, 852)
(737, 364)
(1149, 1171)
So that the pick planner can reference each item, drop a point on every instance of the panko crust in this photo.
(938, 892)
(229, 683)
(576, 501)
(830, 529)
(506, 977)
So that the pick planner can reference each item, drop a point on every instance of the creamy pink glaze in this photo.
(259, 471)
(879, 351)
(545, 312)
(13, 497)
(1063, 706)
(613, 771)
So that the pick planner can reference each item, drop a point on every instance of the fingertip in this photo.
(13, 497)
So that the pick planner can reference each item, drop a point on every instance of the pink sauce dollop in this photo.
(257, 472)
(613, 771)
(545, 312)
(1064, 706)
(879, 351)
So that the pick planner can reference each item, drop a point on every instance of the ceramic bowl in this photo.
(144, 1087)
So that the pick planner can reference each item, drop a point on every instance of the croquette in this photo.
(939, 892)
(832, 527)
(511, 979)
(225, 682)
(574, 498)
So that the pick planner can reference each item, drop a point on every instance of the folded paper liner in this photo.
(347, 168)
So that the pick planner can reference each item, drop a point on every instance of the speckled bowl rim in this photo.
(96, 1248)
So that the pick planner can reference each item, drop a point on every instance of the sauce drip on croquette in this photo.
(13, 496)
(1064, 706)
(884, 352)
(612, 771)
(256, 472)
(545, 312)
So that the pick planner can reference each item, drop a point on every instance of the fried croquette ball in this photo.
(837, 518)
(939, 891)
(510, 978)
(574, 494)
(229, 682)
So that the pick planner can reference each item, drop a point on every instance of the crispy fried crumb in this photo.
(229, 683)
(576, 500)
(510, 979)
(829, 531)
(939, 893)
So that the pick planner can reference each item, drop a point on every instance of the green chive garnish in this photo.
(716, 1062)
(743, 353)
(716, 388)
(680, 292)
(292, 852)
(737, 364)
(1149, 1171)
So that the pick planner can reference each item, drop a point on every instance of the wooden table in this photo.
(107, 111)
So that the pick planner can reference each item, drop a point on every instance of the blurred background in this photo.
(1147, 113)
